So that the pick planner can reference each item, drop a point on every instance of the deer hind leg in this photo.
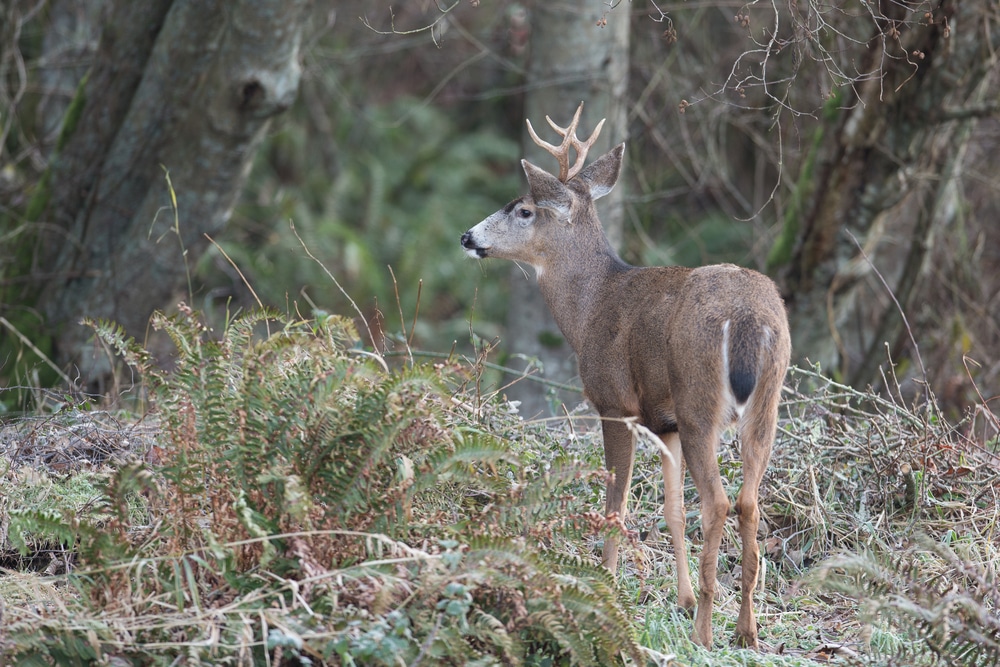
(756, 437)
(699, 443)
(673, 514)
(619, 456)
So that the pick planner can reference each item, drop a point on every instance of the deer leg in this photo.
(756, 441)
(619, 455)
(699, 444)
(673, 514)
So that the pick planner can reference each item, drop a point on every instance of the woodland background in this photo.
(846, 150)
(255, 396)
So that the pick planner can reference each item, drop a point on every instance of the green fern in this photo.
(114, 336)
(286, 457)
(947, 604)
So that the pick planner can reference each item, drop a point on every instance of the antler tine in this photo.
(570, 141)
(561, 153)
(571, 130)
(582, 148)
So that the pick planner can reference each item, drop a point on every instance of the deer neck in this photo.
(573, 285)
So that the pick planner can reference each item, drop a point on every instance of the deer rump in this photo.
(672, 335)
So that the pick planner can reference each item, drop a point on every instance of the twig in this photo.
(402, 321)
(330, 275)
(966, 360)
(416, 311)
(233, 264)
(41, 355)
(906, 323)
(392, 24)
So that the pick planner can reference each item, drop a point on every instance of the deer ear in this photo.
(601, 176)
(547, 190)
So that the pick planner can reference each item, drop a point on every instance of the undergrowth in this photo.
(948, 603)
(308, 505)
(288, 498)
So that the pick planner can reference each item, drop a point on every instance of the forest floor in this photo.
(879, 529)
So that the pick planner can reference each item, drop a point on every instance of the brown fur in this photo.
(650, 346)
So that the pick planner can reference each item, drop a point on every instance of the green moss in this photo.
(781, 251)
(550, 339)
(43, 191)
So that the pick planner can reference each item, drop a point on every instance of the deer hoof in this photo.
(746, 641)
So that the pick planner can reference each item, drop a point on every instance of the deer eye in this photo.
(524, 216)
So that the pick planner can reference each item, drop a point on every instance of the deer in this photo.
(685, 353)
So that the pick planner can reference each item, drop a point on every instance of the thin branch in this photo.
(233, 264)
(970, 111)
(430, 26)
(906, 323)
(31, 346)
(336, 282)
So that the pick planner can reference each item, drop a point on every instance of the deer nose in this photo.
(472, 248)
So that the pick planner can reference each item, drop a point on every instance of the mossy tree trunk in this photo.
(881, 180)
(575, 56)
(152, 155)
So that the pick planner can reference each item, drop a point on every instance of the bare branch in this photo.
(435, 25)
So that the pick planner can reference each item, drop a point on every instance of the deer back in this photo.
(646, 338)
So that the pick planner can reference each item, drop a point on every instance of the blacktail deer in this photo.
(684, 352)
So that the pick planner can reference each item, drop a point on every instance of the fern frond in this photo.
(490, 630)
(949, 604)
(114, 336)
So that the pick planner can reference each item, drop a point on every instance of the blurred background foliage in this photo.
(405, 132)
(406, 177)
(396, 144)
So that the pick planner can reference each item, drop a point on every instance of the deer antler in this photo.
(570, 141)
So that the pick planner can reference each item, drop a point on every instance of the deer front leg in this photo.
(619, 456)
(673, 514)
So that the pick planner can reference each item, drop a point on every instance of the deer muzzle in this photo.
(472, 249)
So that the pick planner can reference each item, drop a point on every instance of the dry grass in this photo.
(70, 441)
(851, 473)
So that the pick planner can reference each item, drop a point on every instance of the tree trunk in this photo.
(574, 57)
(69, 43)
(177, 88)
(882, 168)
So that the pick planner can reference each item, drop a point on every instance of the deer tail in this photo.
(744, 340)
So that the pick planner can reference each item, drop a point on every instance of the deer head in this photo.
(558, 211)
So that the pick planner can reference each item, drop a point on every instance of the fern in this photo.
(949, 605)
(113, 335)
(349, 508)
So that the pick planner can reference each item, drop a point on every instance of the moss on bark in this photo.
(784, 245)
